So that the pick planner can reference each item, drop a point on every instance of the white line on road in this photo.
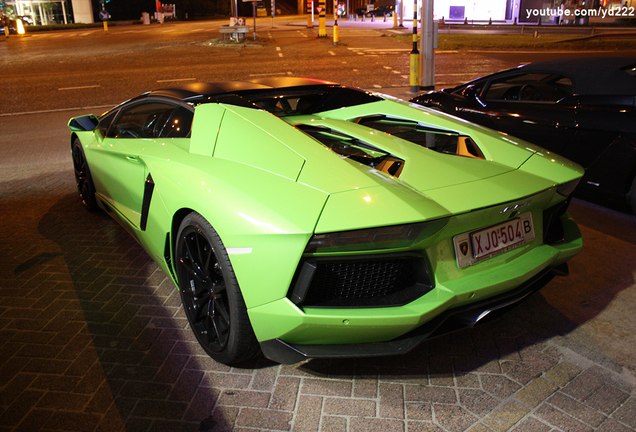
(176, 79)
(56, 110)
(269, 74)
(78, 88)
(382, 49)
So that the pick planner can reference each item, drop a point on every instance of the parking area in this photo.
(93, 338)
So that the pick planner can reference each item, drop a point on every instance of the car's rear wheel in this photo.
(210, 293)
(83, 179)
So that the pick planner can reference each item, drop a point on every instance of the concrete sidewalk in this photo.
(93, 338)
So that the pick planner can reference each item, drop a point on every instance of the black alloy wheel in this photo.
(210, 293)
(83, 179)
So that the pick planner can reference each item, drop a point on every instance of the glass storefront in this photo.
(39, 12)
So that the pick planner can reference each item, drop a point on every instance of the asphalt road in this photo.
(86, 68)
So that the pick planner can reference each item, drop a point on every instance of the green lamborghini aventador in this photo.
(300, 218)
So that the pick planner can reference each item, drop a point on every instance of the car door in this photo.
(120, 173)
(526, 105)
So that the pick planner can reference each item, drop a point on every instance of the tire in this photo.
(83, 179)
(210, 293)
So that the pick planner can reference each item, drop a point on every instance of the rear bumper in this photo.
(451, 320)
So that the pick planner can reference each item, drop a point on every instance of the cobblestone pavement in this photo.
(92, 338)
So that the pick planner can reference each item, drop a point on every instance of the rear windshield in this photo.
(439, 140)
(308, 101)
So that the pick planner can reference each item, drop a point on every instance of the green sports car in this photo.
(301, 218)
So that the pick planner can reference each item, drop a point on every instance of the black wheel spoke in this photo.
(191, 263)
(221, 320)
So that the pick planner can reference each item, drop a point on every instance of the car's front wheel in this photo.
(210, 293)
(83, 179)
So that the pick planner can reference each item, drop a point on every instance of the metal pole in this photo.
(310, 14)
(63, 11)
(273, 13)
(414, 53)
(254, 15)
(427, 59)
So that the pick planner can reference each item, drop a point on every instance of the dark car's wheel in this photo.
(210, 293)
(83, 179)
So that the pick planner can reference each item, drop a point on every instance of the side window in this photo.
(105, 121)
(179, 125)
(534, 87)
(145, 120)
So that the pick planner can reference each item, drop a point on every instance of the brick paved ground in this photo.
(92, 338)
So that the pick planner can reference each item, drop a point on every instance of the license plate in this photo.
(485, 243)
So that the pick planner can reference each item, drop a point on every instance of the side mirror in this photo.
(470, 93)
(84, 123)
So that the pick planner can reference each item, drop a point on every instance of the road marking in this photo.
(57, 110)
(382, 49)
(78, 88)
(176, 79)
(377, 51)
(269, 74)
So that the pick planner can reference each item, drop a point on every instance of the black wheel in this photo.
(210, 293)
(83, 179)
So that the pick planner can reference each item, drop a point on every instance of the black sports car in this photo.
(581, 108)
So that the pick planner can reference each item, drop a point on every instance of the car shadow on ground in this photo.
(138, 348)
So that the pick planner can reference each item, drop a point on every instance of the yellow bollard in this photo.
(335, 33)
(335, 22)
(415, 65)
(322, 23)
